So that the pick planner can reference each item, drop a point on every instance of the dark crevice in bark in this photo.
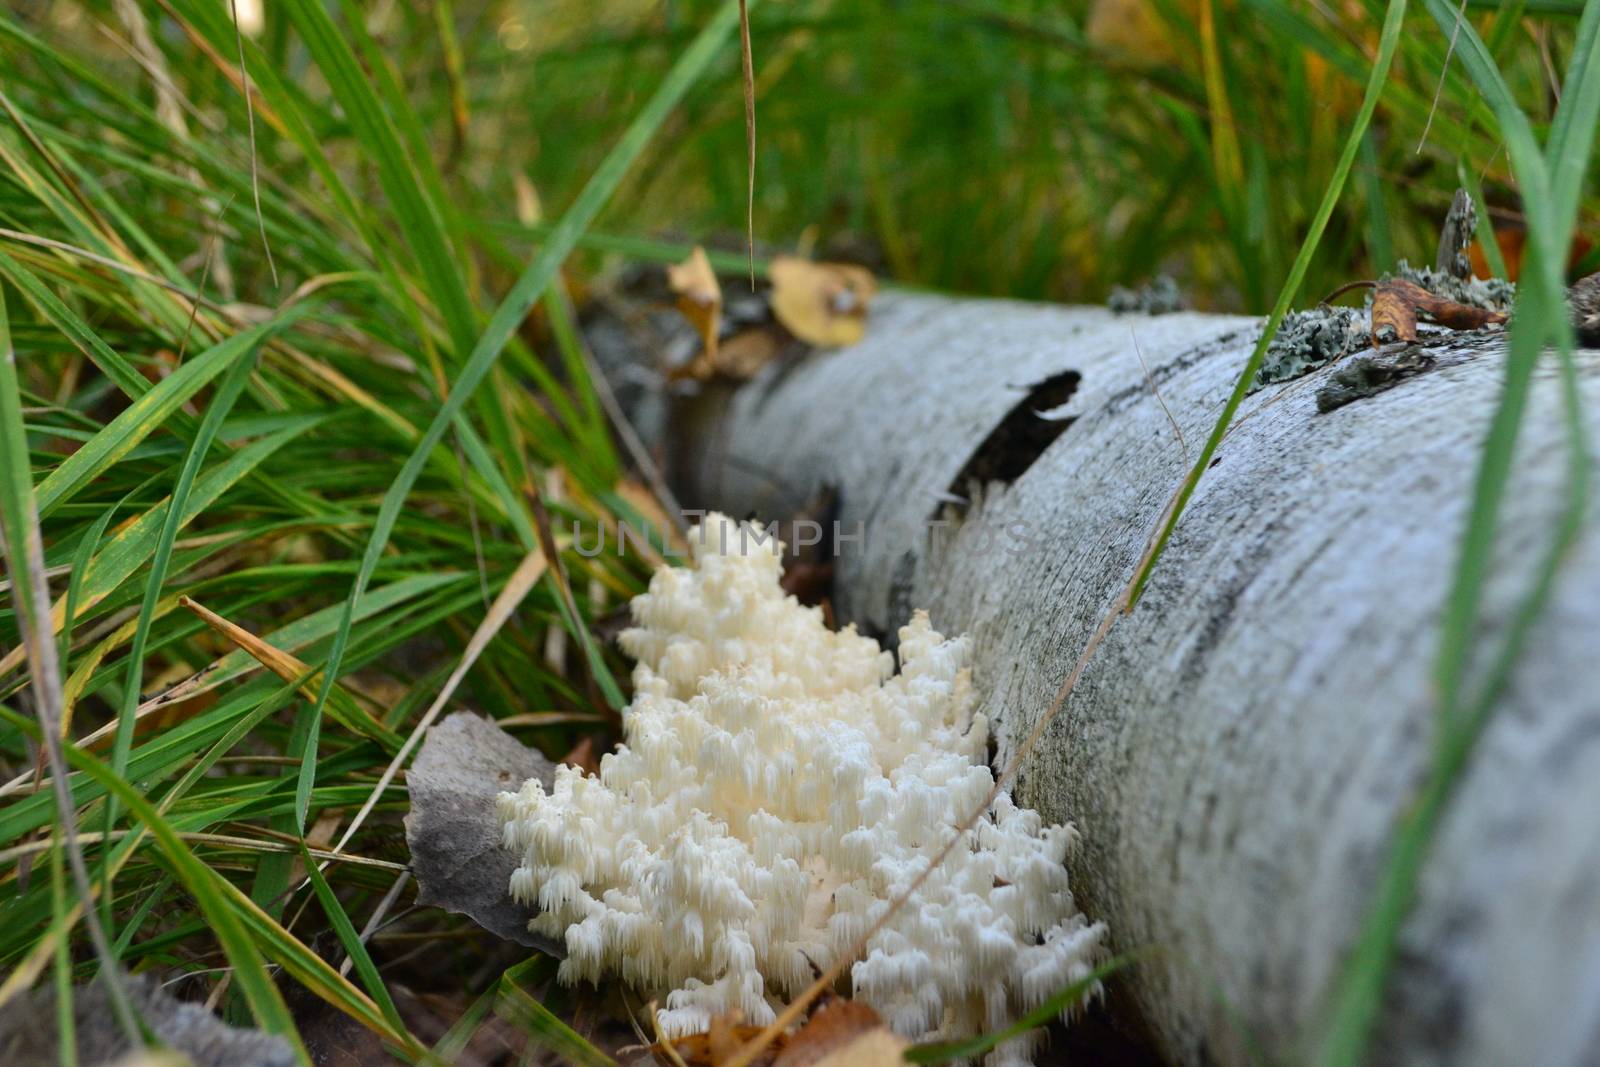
(1019, 438)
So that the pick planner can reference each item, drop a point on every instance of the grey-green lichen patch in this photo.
(1493, 294)
(1159, 296)
(1310, 339)
(1317, 336)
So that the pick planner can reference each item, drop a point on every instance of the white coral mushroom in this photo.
(780, 784)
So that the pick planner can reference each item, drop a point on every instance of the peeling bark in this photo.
(1240, 748)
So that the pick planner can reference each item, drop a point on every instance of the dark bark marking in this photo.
(1021, 436)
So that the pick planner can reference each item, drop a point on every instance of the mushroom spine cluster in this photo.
(779, 785)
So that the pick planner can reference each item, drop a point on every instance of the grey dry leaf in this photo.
(453, 830)
(29, 1033)
(823, 304)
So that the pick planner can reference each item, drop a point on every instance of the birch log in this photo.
(1242, 744)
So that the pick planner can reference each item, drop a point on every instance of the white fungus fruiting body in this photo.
(779, 785)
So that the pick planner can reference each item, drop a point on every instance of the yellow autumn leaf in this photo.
(823, 304)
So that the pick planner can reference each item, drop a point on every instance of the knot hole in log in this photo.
(1019, 438)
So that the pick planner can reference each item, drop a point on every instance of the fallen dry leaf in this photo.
(1459, 316)
(745, 353)
(149, 1057)
(1393, 311)
(1398, 303)
(699, 297)
(875, 1048)
(843, 1033)
(583, 756)
(823, 304)
(717, 1045)
(453, 831)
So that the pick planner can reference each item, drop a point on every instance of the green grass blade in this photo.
(80, 567)
(239, 370)
(242, 924)
(312, 971)
(449, 1048)
(1572, 132)
(351, 940)
(141, 913)
(22, 547)
(1490, 245)
(134, 543)
(119, 370)
(204, 884)
(1358, 993)
(1380, 240)
(66, 1027)
(1530, 329)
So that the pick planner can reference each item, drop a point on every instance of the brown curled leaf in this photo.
(1458, 316)
(1398, 304)
(840, 1033)
(1394, 309)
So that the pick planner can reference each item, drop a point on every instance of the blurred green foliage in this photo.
(1022, 147)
